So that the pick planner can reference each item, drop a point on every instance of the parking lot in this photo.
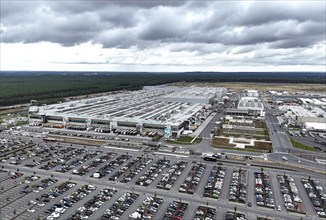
(101, 183)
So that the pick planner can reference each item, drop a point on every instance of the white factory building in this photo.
(155, 108)
(203, 95)
(302, 114)
(319, 102)
(315, 126)
(252, 93)
(251, 104)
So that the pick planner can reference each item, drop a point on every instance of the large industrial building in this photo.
(248, 106)
(166, 109)
(253, 105)
(315, 126)
(301, 114)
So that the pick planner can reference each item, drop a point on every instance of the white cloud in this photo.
(163, 36)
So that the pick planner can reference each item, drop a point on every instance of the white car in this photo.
(284, 158)
(278, 208)
(31, 210)
(40, 204)
(321, 214)
(32, 202)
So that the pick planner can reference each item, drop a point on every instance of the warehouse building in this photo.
(252, 93)
(315, 126)
(301, 114)
(165, 109)
(203, 95)
(253, 105)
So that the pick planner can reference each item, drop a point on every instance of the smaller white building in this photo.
(314, 126)
(253, 105)
(302, 114)
(252, 93)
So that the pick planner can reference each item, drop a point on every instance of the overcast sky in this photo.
(152, 35)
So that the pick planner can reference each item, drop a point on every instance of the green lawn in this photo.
(301, 145)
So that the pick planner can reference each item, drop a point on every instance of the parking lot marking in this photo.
(120, 148)
(174, 155)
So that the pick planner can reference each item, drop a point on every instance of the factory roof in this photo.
(315, 126)
(306, 111)
(143, 106)
(313, 101)
(250, 103)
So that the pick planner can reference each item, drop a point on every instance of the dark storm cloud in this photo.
(258, 14)
(66, 30)
(145, 24)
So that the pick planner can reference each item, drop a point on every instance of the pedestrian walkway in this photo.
(203, 125)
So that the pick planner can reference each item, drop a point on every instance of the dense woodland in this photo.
(21, 87)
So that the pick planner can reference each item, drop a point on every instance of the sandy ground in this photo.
(294, 87)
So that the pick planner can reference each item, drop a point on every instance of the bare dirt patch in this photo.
(222, 142)
(290, 87)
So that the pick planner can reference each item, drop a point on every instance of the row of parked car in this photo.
(175, 211)
(215, 181)
(7, 145)
(206, 213)
(109, 167)
(85, 211)
(152, 172)
(95, 163)
(125, 167)
(136, 169)
(120, 206)
(54, 193)
(290, 192)
(172, 175)
(15, 175)
(232, 215)
(193, 178)
(77, 127)
(37, 188)
(44, 151)
(147, 209)
(263, 190)
(28, 188)
(61, 160)
(125, 131)
(238, 186)
(316, 194)
(64, 204)
(78, 161)
(102, 130)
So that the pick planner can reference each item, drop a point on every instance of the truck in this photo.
(209, 157)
